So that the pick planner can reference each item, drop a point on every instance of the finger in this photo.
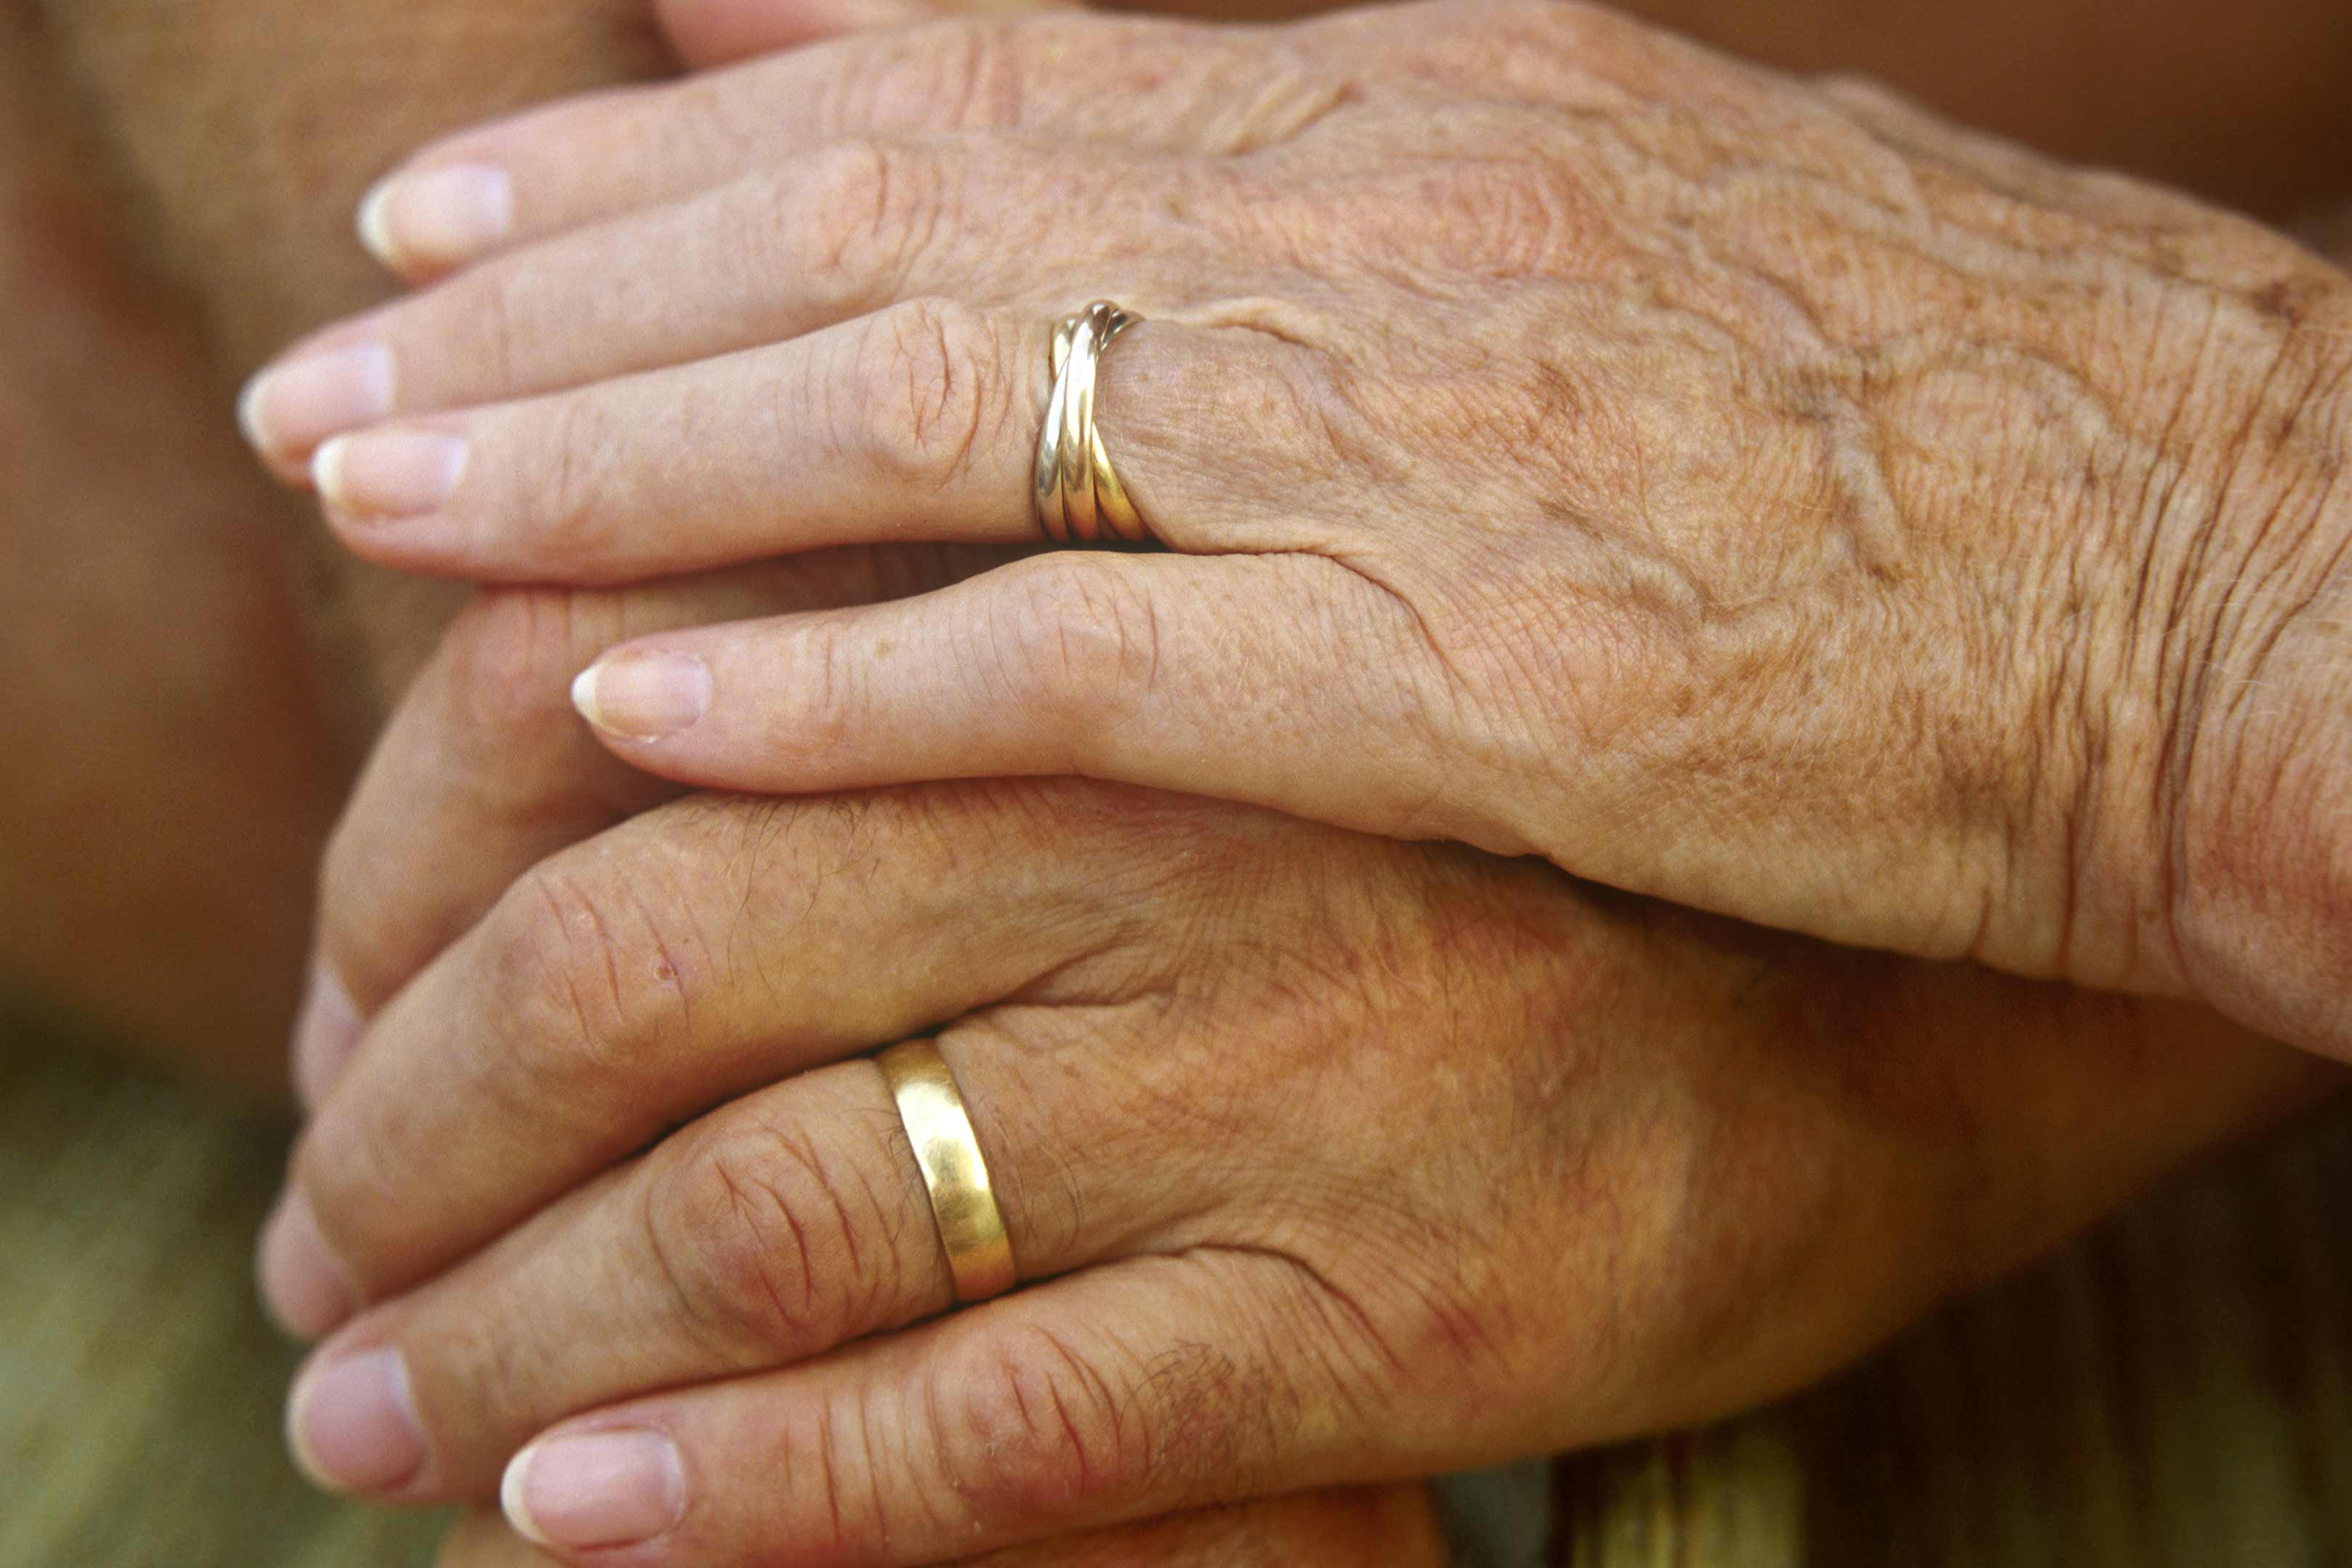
(1180, 673)
(1123, 1391)
(777, 1228)
(1143, 81)
(808, 241)
(485, 752)
(914, 425)
(918, 422)
(685, 956)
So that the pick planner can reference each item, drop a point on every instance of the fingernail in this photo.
(437, 216)
(390, 473)
(352, 1423)
(293, 406)
(600, 1489)
(303, 1286)
(642, 696)
(326, 1032)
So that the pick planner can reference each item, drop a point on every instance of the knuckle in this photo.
(1075, 639)
(1030, 1431)
(589, 962)
(757, 1240)
(567, 472)
(820, 693)
(871, 208)
(929, 393)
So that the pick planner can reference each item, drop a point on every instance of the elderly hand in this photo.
(1327, 1158)
(1750, 493)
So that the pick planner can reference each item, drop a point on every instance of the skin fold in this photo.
(264, 255)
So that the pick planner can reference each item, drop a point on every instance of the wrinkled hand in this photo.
(1756, 494)
(1329, 1159)
(485, 754)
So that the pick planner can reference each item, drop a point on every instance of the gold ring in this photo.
(1078, 495)
(972, 1228)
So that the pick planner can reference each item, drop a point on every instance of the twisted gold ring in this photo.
(972, 1228)
(1079, 497)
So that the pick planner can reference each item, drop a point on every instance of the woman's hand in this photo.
(1327, 1158)
(1756, 494)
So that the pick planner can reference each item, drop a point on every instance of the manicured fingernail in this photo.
(352, 1423)
(642, 696)
(326, 1032)
(303, 1286)
(293, 406)
(437, 217)
(390, 473)
(599, 1489)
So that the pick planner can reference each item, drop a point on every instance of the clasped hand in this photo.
(1567, 442)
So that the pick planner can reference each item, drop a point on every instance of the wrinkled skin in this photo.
(1333, 1159)
(1036, 1499)
(1572, 441)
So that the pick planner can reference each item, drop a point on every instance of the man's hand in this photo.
(1329, 1159)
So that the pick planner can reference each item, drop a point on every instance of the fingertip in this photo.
(326, 1032)
(327, 470)
(514, 1498)
(583, 695)
(307, 1292)
(643, 695)
(579, 1490)
(373, 225)
(352, 1422)
(420, 222)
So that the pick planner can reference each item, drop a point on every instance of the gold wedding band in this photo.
(971, 1229)
(1079, 497)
